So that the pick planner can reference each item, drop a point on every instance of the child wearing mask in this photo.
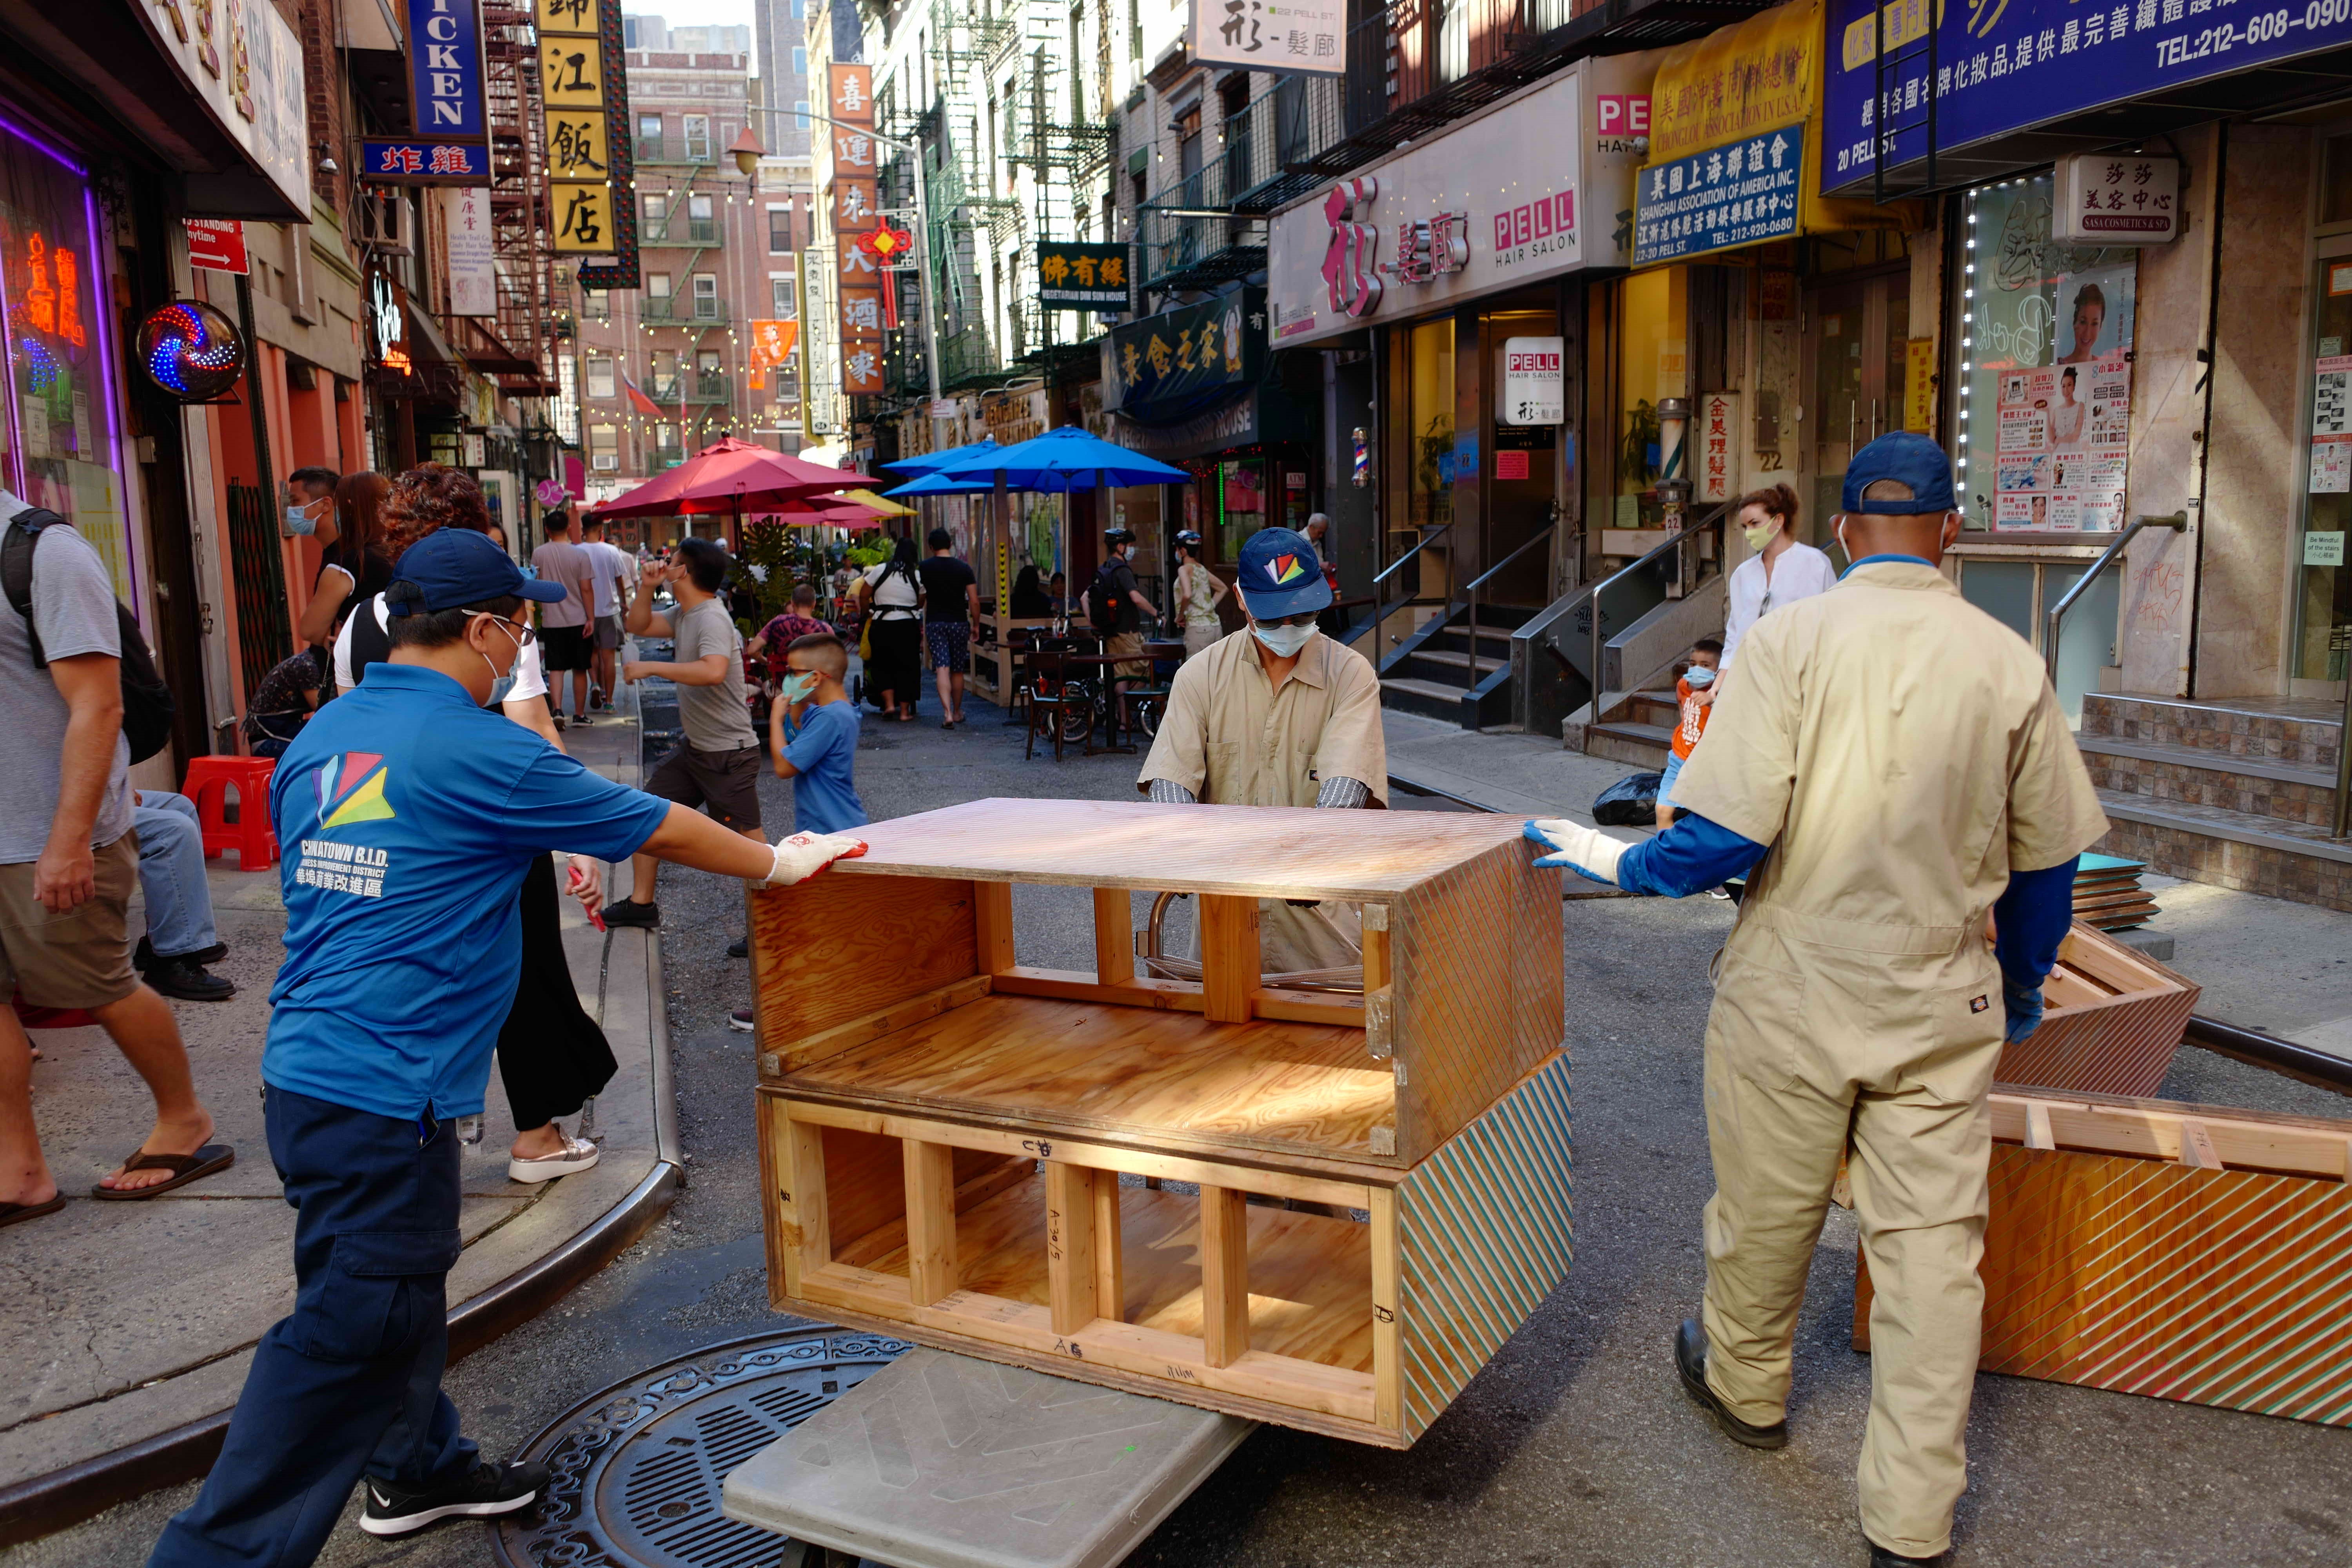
(1706, 656)
(812, 735)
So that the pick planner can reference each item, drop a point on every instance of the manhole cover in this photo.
(637, 1467)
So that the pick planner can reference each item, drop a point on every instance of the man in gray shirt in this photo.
(69, 860)
(565, 630)
(717, 767)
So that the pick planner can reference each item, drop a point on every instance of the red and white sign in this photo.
(1618, 114)
(1534, 389)
(1719, 446)
(217, 244)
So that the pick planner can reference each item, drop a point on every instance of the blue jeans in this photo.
(1666, 779)
(350, 1382)
(172, 874)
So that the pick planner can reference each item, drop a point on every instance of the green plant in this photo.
(1633, 468)
(1430, 446)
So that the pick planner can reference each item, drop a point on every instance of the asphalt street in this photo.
(1576, 1446)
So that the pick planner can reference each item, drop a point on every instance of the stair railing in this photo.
(1380, 607)
(1713, 519)
(1479, 582)
(2054, 620)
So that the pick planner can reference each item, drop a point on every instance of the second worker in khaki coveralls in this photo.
(1277, 714)
(1893, 764)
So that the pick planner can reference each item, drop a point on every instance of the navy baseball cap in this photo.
(1280, 574)
(1913, 459)
(453, 567)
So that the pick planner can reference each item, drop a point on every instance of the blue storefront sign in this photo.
(2005, 67)
(1729, 196)
(405, 160)
(445, 52)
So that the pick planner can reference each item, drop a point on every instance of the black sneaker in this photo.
(483, 1492)
(188, 981)
(630, 912)
(741, 1019)
(144, 957)
(1690, 1363)
(583, 720)
(739, 948)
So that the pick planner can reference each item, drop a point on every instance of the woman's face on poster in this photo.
(2090, 319)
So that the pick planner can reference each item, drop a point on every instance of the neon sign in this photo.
(53, 310)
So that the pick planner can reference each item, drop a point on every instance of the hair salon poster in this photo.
(2063, 426)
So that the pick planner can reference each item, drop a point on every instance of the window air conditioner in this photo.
(386, 224)
(608, 462)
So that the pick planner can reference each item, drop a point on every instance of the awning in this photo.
(244, 155)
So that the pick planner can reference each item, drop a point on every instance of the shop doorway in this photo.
(1522, 480)
(1854, 349)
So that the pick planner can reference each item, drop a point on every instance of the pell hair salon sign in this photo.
(1500, 199)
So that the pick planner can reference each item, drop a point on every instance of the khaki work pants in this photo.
(1809, 1043)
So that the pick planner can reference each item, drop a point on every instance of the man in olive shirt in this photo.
(716, 766)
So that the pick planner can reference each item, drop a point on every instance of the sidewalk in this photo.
(130, 1326)
(2264, 963)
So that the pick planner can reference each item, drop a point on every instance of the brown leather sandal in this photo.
(11, 1214)
(184, 1168)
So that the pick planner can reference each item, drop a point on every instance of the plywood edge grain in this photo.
(829, 1043)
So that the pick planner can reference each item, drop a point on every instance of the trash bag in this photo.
(1631, 802)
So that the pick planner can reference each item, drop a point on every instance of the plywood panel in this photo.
(831, 951)
(2113, 1024)
(1139, 1071)
(2211, 1286)
(1259, 852)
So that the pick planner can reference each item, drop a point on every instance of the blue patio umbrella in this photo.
(932, 462)
(938, 485)
(1060, 460)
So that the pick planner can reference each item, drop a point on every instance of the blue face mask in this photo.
(1699, 675)
(1283, 640)
(299, 522)
(798, 687)
(500, 685)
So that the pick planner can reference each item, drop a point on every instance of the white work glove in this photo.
(804, 855)
(1587, 851)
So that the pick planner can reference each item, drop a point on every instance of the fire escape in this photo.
(520, 346)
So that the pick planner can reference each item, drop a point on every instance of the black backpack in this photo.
(147, 704)
(1105, 604)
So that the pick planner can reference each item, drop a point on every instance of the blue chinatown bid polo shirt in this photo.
(406, 819)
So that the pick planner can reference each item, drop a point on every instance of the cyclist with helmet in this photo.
(1199, 591)
(1114, 607)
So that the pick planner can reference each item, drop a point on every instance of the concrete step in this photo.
(1645, 746)
(1455, 658)
(2163, 776)
(2267, 855)
(2290, 732)
(1429, 699)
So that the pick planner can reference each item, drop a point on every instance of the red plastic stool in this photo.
(208, 783)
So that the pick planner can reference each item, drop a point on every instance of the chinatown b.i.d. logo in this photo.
(1284, 568)
(1348, 274)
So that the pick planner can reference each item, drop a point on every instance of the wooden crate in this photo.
(944, 1130)
(1361, 1314)
(2114, 1019)
(2179, 1251)
(891, 980)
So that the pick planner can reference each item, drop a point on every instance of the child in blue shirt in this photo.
(812, 735)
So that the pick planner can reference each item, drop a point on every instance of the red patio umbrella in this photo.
(730, 478)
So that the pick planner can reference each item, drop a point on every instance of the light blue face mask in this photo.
(500, 685)
(798, 687)
(299, 522)
(1283, 641)
(1699, 675)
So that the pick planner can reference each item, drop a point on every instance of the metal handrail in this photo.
(1681, 537)
(1479, 582)
(1379, 599)
(2178, 522)
(1426, 540)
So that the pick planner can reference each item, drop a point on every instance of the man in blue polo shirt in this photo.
(408, 812)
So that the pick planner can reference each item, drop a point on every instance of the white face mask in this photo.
(1283, 641)
(500, 685)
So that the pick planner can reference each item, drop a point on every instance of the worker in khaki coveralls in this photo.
(1897, 764)
(1277, 714)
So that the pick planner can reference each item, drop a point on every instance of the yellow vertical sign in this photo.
(579, 140)
(1919, 385)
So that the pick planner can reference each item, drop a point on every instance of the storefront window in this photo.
(1241, 503)
(1430, 403)
(1656, 365)
(59, 431)
(2043, 424)
(2324, 597)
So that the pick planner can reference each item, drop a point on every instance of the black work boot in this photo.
(1882, 1558)
(1690, 1361)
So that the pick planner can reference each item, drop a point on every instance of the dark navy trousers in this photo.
(350, 1385)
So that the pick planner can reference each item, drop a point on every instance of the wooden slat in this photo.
(2197, 1146)
(992, 917)
(1376, 954)
(777, 1212)
(1307, 1007)
(931, 1220)
(1070, 1246)
(793, 1055)
(806, 1231)
(1257, 852)
(2037, 1127)
(1114, 936)
(1229, 957)
(1110, 1274)
(1387, 1366)
(1353, 1194)
(1225, 1275)
(1071, 985)
(2152, 1129)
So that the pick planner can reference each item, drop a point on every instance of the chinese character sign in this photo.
(1195, 349)
(849, 90)
(576, 146)
(861, 369)
(1534, 389)
(1721, 197)
(856, 206)
(408, 163)
(1073, 277)
(572, 72)
(1298, 36)
(583, 219)
(473, 260)
(1717, 432)
(2116, 199)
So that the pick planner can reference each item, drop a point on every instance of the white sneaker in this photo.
(577, 1154)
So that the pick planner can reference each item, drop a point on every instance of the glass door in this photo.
(2323, 585)
(1855, 343)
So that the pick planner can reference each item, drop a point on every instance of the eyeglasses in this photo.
(1303, 618)
(521, 631)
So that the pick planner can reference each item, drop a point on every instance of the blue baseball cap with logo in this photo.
(1280, 574)
(1915, 461)
(453, 567)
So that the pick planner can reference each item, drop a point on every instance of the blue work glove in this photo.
(2024, 1008)
(1586, 852)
